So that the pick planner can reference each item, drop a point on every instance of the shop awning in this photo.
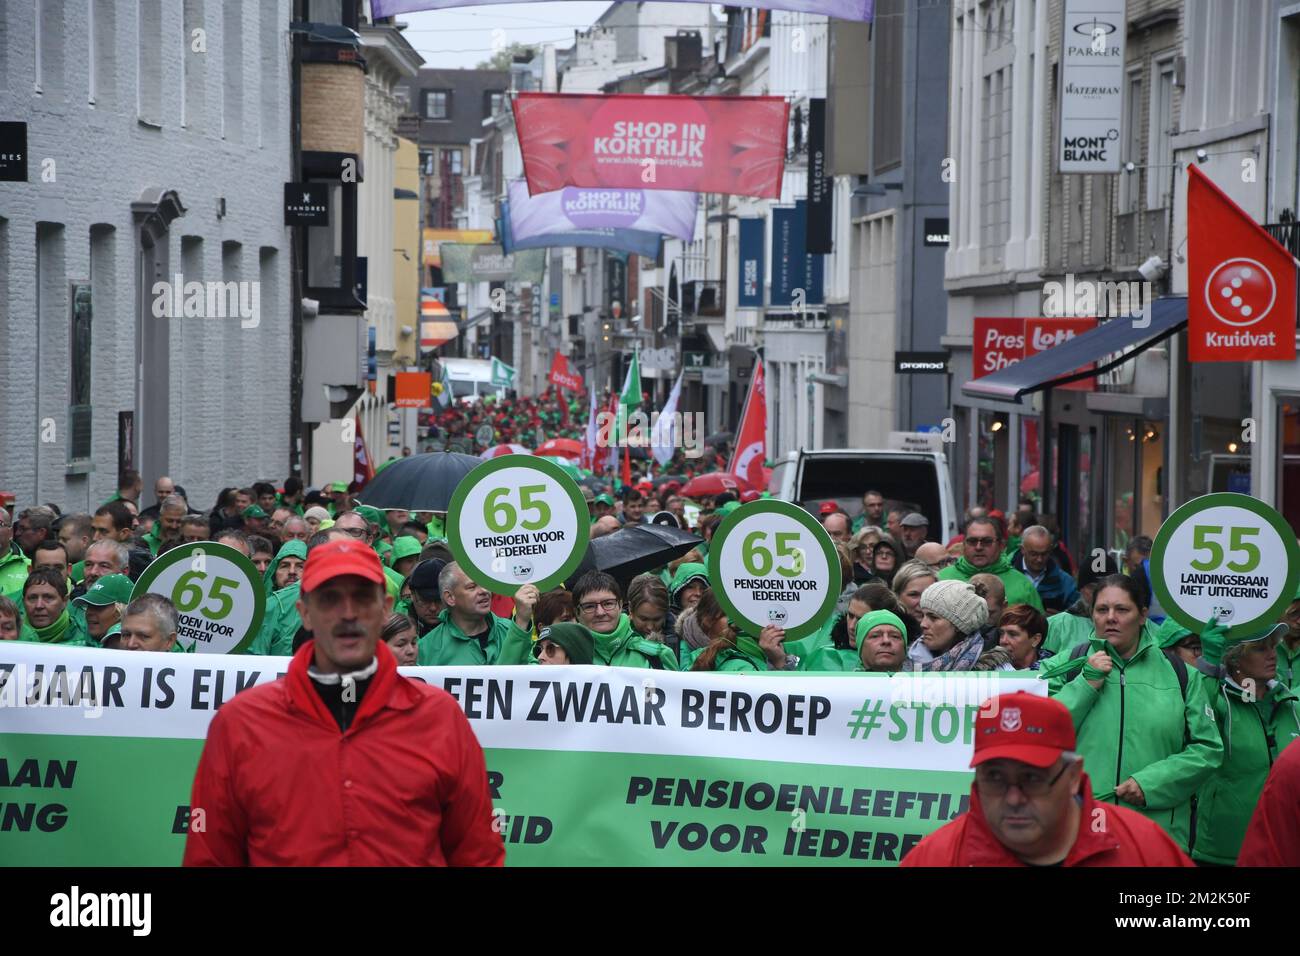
(1106, 345)
(435, 332)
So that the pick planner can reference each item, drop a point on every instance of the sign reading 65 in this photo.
(500, 515)
(188, 594)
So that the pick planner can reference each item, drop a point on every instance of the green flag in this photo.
(630, 397)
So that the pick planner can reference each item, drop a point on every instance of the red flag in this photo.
(1241, 282)
(561, 377)
(362, 469)
(627, 467)
(751, 439)
(715, 144)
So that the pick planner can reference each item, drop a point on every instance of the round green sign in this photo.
(518, 520)
(219, 596)
(1226, 556)
(771, 562)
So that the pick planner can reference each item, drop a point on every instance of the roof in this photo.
(468, 107)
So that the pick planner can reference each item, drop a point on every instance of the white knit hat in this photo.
(956, 601)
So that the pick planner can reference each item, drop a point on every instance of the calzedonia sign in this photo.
(306, 204)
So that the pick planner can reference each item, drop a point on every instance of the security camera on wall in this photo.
(1152, 269)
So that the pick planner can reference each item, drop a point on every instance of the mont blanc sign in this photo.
(1092, 85)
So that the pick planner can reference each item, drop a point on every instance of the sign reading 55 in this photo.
(1205, 536)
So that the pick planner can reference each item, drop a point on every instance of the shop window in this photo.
(1288, 485)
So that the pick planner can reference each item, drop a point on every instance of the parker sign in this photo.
(721, 144)
(1092, 85)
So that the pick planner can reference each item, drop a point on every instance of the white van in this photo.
(471, 379)
(916, 480)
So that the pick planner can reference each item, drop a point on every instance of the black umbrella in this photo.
(635, 549)
(418, 483)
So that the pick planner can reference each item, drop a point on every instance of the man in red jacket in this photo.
(342, 762)
(1273, 837)
(1031, 803)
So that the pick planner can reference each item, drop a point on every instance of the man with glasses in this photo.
(1055, 587)
(934, 554)
(1032, 804)
(982, 554)
(468, 632)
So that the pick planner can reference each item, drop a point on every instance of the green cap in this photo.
(1216, 641)
(341, 486)
(604, 500)
(1170, 633)
(875, 619)
(110, 589)
(372, 515)
(577, 641)
(253, 511)
(406, 546)
(728, 508)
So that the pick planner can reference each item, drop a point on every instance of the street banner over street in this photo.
(718, 144)
(592, 766)
(1226, 556)
(842, 9)
(661, 211)
(632, 241)
(218, 594)
(772, 563)
(1241, 282)
(518, 520)
(490, 263)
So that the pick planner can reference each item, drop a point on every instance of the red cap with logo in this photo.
(1025, 727)
(337, 558)
(829, 508)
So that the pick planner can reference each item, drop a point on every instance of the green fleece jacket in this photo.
(1254, 733)
(448, 646)
(1138, 725)
(14, 567)
(1020, 590)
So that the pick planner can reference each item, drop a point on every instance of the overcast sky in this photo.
(462, 37)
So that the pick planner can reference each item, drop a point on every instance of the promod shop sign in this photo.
(722, 144)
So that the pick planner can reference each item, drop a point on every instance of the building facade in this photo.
(154, 133)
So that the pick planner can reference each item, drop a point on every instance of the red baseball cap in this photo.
(829, 508)
(1022, 726)
(339, 557)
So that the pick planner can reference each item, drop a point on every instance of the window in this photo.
(995, 165)
(454, 160)
(49, 47)
(496, 102)
(232, 92)
(887, 84)
(335, 12)
(1128, 182)
(1160, 156)
(149, 47)
(437, 104)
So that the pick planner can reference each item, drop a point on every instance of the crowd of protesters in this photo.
(1180, 727)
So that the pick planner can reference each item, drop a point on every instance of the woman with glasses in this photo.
(565, 643)
(886, 556)
(861, 548)
(731, 650)
(1145, 723)
(599, 603)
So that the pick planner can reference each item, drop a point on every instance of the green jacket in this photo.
(1067, 631)
(1254, 733)
(624, 647)
(1138, 725)
(154, 538)
(448, 646)
(1020, 590)
(280, 623)
(830, 658)
(1288, 663)
(14, 567)
(77, 573)
(66, 632)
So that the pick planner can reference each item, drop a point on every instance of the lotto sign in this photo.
(1241, 301)
(772, 563)
(517, 520)
(218, 594)
(1226, 556)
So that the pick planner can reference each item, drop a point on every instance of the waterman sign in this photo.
(588, 766)
(1092, 85)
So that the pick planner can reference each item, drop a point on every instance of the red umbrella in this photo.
(563, 447)
(714, 483)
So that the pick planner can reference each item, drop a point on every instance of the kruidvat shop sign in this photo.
(1092, 86)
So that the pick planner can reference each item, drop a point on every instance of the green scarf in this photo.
(999, 567)
(53, 634)
(608, 644)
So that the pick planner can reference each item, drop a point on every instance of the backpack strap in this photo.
(1180, 668)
